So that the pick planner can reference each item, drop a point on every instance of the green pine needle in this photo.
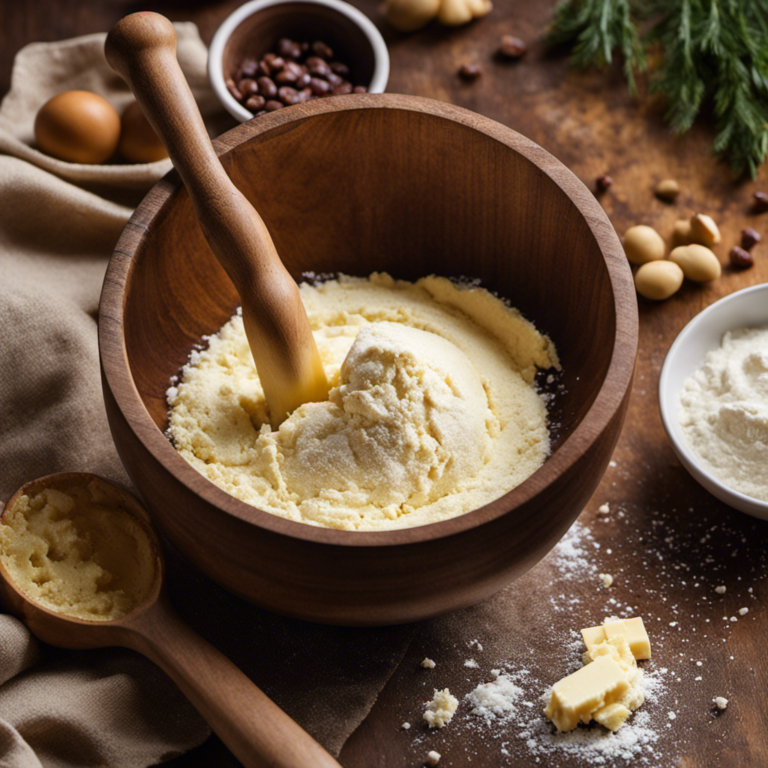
(712, 52)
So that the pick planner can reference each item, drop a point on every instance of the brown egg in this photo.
(78, 126)
(138, 141)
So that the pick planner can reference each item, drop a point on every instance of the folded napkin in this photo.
(58, 224)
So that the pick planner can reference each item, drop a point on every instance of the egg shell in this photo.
(79, 127)
(138, 140)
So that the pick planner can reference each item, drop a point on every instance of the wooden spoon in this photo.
(254, 728)
(142, 48)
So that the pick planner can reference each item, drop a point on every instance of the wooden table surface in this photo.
(667, 542)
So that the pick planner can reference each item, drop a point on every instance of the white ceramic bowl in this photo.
(255, 27)
(745, 308)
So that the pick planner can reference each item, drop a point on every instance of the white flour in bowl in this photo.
(724, 412)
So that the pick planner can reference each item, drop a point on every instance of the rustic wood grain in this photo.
(588, 121)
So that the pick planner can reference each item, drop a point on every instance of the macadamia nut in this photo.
(667, 189)
(658, 280)
(704, 231)
(697, 262)
(643, 244)
(681, 233)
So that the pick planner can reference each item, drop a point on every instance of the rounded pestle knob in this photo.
(142, 48)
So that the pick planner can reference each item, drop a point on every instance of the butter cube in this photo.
(612, 716)
(634, 631)
(593, 635)
(577, 696)
(617, 648)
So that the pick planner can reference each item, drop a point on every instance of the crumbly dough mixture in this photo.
(432, 410)
(724, 411)
(77, 552)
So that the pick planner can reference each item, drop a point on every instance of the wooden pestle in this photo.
(142, 48)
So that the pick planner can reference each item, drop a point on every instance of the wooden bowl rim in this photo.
(116, 368)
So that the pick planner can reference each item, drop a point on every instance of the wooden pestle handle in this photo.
(142, 48)
(252, 726)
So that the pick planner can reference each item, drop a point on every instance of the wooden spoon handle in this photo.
(254, 728)
(142, 48)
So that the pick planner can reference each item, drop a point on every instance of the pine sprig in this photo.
(712, 51)
(596, 28)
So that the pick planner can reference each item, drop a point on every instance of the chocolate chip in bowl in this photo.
(270, 54)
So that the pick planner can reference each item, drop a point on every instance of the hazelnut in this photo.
(470, 71)
(658, 280)
(749, 238)
(643, 244)
(741, 258)
(667, 189)
(512, 47)
(697, 262)
(603, 183)
(704, 230)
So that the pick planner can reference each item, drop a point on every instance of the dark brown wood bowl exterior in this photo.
(358, 184)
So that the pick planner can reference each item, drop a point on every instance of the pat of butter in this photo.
(632, 629)
(577, 696)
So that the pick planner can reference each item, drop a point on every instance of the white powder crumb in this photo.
(476, 644)
(572, 556)
(603, 509)
(433, 758)
(743, 611)
(721, 702)
(406, 726)
(428, 664)
(440, 710)
(733, 618)
(671, 715)
(494, 699)
(720, 590)
(471, 663)
(607, 579)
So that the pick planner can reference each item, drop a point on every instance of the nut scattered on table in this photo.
(704, 231)
(603, 183)
(761, 202)
(749, 238)
(643, 244)
(667, 189)
(698, 262)
(470, 71)
(512, 47)
(410, 15)
(681, 233)
(658, 280)
(741, 258)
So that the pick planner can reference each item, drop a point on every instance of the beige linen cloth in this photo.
(58, 225)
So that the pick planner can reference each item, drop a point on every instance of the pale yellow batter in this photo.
(432, 410)
(77, 551)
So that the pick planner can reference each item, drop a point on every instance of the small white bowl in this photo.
(255, 27)
(745, 308)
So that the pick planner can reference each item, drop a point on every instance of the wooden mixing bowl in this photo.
(357, 184)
